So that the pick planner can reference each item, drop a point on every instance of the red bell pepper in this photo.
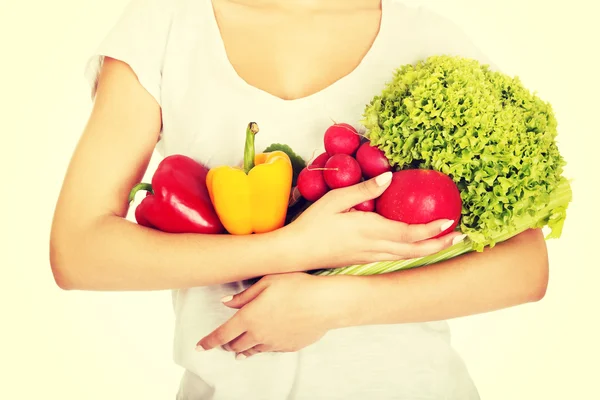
(177, 201)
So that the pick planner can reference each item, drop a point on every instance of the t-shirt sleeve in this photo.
(441, 35)
(138, 39)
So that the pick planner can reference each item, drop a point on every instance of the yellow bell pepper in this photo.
(253, 199)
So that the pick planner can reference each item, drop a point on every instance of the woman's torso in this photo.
(206, 106)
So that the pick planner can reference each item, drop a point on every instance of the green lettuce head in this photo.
(486, 131)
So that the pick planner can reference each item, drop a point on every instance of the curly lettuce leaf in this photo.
(482, 128)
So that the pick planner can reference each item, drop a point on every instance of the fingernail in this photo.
(458, 239)
(240, 357)
(226, 299)
(383, 178)
(446, 225)
(199, 348)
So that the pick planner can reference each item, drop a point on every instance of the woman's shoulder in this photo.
(167, 9)
(413, 25)
(413, 12)
(140, 37)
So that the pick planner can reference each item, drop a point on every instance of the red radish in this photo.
(419, 196)
(320, 161)
(368, 205)
(311, 184)
(341, 170)
(372, 161)
(341, 139)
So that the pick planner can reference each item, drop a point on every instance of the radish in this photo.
(311, 184)
(341, 170)
(419, 196)
(368, 205)
(341, 139)
(372, 161)
(320, 161)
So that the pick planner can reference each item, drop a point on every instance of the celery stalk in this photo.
(553, 216)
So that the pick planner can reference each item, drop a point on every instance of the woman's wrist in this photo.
(296, 252)
(281, 251)
(346, 300)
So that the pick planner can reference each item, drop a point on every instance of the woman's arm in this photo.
(512, 273)
(93, 246)
(290, 311)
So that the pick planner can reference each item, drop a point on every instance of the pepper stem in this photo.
(137, 188)
(249, 151)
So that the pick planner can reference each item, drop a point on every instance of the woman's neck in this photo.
(320, 5)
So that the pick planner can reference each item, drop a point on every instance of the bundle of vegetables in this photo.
(494, 139)
(465, 144)
(185, 196)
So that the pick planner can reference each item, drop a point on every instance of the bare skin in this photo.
(284, 313)
(94, 248)
(285, 57)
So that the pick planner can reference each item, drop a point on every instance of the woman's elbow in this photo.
(58, 267)
(540, 286)
(62, 262)
(539, 267)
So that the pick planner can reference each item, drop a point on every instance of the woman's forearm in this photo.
(93, 246)
(512, 273)
(116, 254)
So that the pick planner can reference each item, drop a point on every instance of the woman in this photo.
(191, 74)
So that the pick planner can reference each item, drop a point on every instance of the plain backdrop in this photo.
(88, 346)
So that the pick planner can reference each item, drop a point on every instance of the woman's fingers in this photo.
(222, 335)
(261, 348)
(340, 200)
(423, 248)
(241, 299)
(409, 233)
(242, 343)
(247, 353)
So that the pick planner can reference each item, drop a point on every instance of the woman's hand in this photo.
(280, 313)
(333, 237)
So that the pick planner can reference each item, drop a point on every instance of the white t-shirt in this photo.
(175, 48)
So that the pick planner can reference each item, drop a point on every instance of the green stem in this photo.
(249, 150)
(140, 186)
(561, 197)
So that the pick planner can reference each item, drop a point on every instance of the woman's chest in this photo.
(206, 104)
(205, 111)
(293, 52)
(208, 121)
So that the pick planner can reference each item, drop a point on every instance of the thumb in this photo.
(342, 199)
(242, 298)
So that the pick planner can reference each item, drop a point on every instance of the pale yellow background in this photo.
(88, 346)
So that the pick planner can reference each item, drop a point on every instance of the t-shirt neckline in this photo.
(227, 67)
